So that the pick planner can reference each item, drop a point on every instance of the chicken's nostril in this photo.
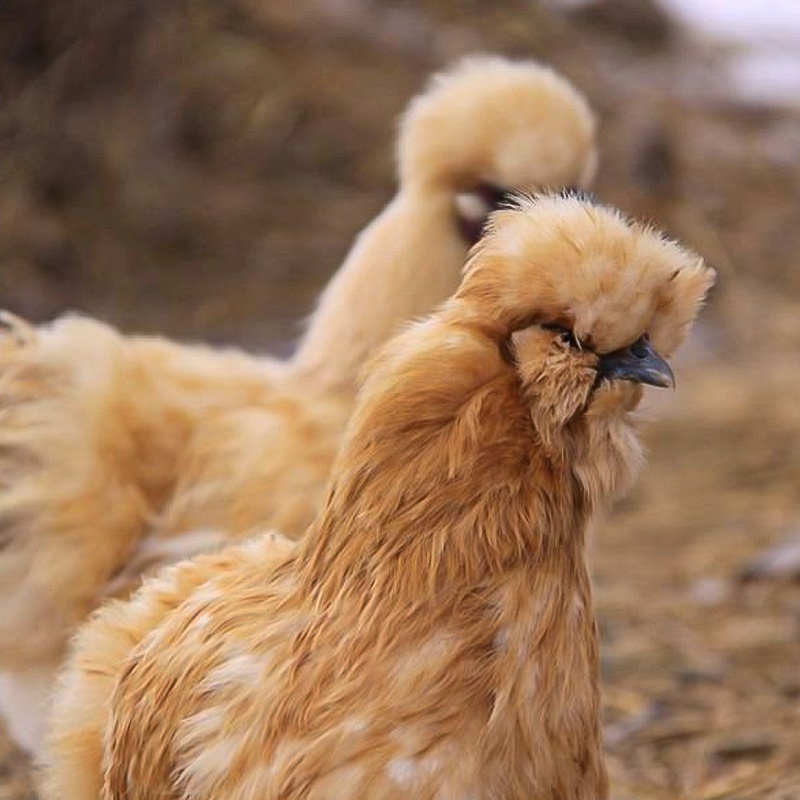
(639, 348)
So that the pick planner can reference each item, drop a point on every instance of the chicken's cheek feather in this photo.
(556, 403)
(611, 398)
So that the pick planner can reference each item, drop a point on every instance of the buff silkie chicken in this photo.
(119, 454)
(433, 634)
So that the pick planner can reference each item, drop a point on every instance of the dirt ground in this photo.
(199, 169)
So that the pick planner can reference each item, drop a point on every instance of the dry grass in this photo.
(702, 686)
(257, 138)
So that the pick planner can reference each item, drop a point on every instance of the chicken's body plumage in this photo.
(433, 633)
(122, 454)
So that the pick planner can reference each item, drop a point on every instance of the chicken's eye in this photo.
(565, 336)
(569, 338)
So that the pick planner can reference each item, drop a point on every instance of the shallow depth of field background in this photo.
(200, 168)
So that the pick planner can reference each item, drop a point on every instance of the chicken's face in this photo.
(589, 306)
(490, 128)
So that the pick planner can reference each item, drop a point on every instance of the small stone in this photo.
(710, 592)
(780, 561)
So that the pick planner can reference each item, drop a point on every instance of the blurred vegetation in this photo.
(199, 168)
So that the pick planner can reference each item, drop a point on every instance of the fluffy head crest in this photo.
(585, 267)
(494, 121)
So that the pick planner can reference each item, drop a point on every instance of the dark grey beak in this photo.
(638, 363)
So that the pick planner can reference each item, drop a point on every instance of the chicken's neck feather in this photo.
(442, 480)
(453, 538)
(402, 265)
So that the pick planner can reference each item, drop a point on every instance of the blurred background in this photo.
(198, 168)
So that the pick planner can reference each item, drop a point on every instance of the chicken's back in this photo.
(245, 468)
(247, 690)
(95, 429)
(78, 719)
